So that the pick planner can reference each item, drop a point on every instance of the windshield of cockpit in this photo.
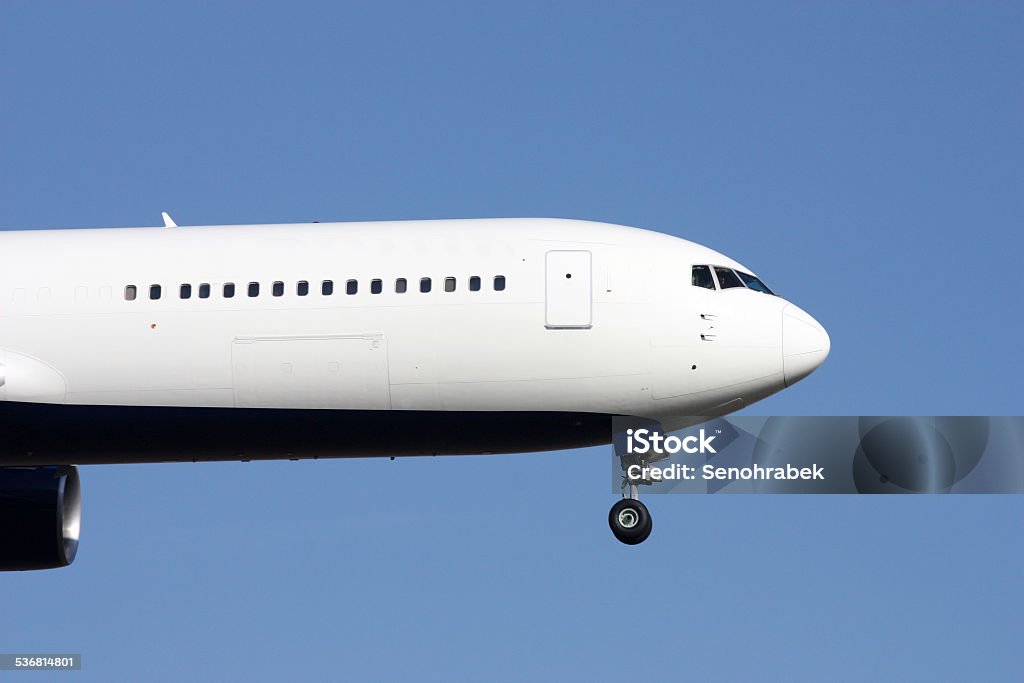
(720, 277)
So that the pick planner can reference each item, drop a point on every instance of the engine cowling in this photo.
(40, 517)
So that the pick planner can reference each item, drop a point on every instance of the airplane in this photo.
(324, 340)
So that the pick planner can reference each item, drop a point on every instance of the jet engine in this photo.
(40, 517)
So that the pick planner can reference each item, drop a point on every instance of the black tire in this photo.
(630, 521)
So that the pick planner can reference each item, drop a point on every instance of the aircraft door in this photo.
(567, 291)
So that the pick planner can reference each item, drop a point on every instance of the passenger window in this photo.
(185, 291)
(352, 286)
(401, 285)
(754, 283)
(302, 288)
(277, 289)
(154, 292)
(376, 286)
(327, 287)
(229, 290)
(701, 277)
(254, 289)
(726, 278)
(129, 293)
(474, 283)
(499, 283)
(204, 290)
(424, 284)
(449, 284)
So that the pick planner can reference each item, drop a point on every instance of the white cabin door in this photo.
(567, 291)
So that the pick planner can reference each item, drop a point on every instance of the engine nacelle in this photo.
(40, 517)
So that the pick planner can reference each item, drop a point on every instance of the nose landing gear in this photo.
(629, 519)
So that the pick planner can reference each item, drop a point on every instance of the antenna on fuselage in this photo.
(168, 221)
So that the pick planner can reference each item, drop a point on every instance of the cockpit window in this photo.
(754, 283)
(702, 277)
(727, 278)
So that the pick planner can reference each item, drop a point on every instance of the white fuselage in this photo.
(592, 318)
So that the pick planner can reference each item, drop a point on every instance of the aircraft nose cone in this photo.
(805, 344)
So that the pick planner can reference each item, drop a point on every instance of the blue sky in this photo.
(864, 158)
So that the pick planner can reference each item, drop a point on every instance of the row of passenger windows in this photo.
(302, 288)
(727, 278)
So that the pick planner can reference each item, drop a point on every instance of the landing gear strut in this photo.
(629, 519)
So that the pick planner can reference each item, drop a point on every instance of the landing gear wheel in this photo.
(630, 521)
